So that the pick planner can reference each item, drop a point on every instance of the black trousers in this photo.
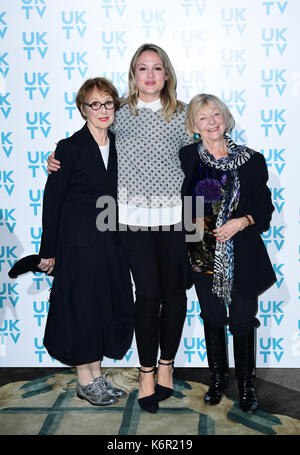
(156, 261)
(241, 311)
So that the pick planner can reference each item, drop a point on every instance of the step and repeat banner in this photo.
(244, 52)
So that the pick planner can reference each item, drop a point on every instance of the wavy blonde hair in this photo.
(168, 97)
(202, 100)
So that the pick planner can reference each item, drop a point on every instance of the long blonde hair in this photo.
(167, 95)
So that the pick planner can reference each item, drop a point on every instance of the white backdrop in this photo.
(245, 52)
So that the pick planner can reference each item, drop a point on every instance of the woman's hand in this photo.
(230, 228)
(53, 164)
(199, 224)
(47, 265)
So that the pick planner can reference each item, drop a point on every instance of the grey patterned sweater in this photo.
(149, 170)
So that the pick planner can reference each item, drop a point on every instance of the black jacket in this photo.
(253, 271)
(69, 207)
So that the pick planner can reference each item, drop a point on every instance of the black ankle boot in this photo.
(244, 348)
(216, 348)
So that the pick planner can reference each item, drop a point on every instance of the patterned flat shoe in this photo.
(95, 393)
(110, 388)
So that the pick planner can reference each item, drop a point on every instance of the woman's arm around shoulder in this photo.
(188, 156)
(54, 196)
(54, 159)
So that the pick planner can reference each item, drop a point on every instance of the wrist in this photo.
(248, 220)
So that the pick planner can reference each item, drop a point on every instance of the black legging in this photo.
(157, 264)
(242, 310)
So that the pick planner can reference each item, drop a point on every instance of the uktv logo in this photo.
(7, 182)
(276, 161)
(9, 295)
(37, 162)
(38, 122)
(114, 43)
(75, 62)
(119, 79)
(34, 8)
(274, 41)
(154, 22)
(114, 8)
(5, 105)
(273, 120)
(4, 67)
(75, 25)
(3, 24)
(40, 351)
(10, 329)
(194, 348)
(193, 7)
(234, 20)
(270, 312)
(70, 105)
(274, 237)
(40, 311)
(271, 347)
(7, 218)
(271, 7)
(274, 81)
(192, 82)
(278, 199)
(36, 83)
(6, 143)
(35, 201)
(234, 62)
(8, 256)
(35, 44)
(235, 100)
(193, 313)
(193, 42)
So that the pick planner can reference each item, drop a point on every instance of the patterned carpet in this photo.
(49, 406)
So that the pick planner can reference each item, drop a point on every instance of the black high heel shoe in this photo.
(162, 392)
(150, 402)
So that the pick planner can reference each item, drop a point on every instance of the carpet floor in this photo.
(43, 401)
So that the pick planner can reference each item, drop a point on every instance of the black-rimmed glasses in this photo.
(96, 105)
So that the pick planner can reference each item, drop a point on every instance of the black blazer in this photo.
(253, 271)
(69, 206)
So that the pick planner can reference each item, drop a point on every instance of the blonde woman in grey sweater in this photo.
(150, 130)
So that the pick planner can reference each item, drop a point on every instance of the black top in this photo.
(71, 193)
(253, 271)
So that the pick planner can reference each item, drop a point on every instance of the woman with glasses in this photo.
(91, 301)
(150, 131)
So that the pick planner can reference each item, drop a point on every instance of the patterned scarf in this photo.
(224, 254)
